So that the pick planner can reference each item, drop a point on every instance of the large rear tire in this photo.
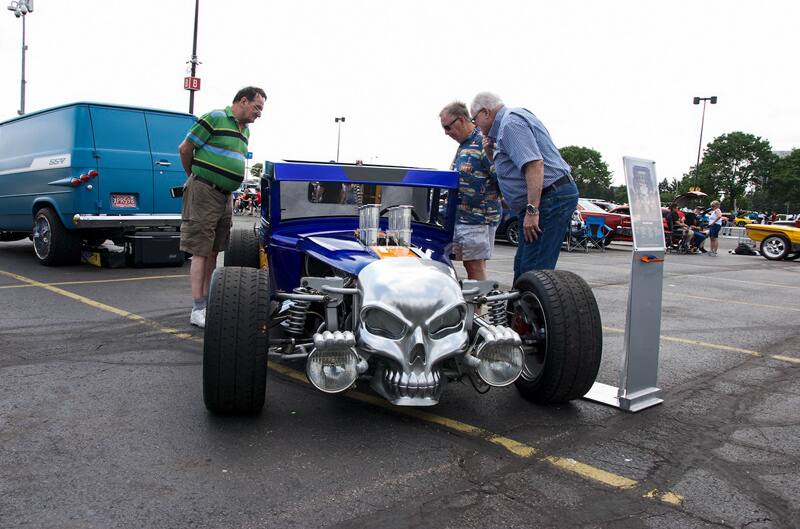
(559, 322)
(243, 248)
(236, 341)
(52, 242)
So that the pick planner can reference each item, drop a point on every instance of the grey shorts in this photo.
(206, 219)
(472, 242)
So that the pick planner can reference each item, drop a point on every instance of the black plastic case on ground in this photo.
(153, 248)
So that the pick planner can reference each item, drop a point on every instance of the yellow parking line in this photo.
(789, 359)
(696, 342)
(704, 277)
(101, 306)
(91, 281)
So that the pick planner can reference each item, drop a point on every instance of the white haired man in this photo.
(479, 206)
(534, 179)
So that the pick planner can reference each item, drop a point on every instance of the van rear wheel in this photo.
(53, 243)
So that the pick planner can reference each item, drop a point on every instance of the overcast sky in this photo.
(616, 76)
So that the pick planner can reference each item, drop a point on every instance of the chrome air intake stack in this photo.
(399, 231)
(369, 223)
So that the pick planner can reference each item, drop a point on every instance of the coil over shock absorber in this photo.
(496, 310)
(295, 322)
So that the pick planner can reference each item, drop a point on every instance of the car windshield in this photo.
(589, 206)
(336, 199)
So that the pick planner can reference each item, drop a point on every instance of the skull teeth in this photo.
(412, 385)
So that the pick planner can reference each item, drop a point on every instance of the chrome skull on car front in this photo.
(412, 317)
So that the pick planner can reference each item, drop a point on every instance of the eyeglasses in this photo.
(449, 125)
(475, 117)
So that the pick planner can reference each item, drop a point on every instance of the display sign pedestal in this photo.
(637, 387)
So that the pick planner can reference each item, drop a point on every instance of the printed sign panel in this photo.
(645, 204)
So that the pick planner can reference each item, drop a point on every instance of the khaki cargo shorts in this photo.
(206, 219)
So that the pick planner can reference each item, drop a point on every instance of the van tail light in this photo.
(75, 181)
(85, 177)
(92, 173)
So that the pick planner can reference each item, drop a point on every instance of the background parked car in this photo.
(625, 232)
(508, 229)
(605, 204)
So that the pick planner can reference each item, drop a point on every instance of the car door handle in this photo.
(163, 163)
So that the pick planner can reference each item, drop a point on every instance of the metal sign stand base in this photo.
(609, 395)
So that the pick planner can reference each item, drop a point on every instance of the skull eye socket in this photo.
(381, 323)
(448, 323)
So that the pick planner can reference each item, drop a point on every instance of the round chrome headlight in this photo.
(332, 371)
(501, 364)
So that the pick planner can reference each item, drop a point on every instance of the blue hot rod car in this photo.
(349, 273)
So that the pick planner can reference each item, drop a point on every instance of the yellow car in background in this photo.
(743, 221)
(777, 242)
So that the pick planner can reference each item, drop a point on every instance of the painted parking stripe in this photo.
(91, 281)
(782, 358)
(101, 306)
(728, 279)
(515, 447)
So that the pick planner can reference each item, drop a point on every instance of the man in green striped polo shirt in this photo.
(213, 156)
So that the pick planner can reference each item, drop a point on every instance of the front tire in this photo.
(235, 341)
(559, 322)
(775, 247)
(53, 243)
(243, 248)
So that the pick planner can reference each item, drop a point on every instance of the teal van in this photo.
(87, 172)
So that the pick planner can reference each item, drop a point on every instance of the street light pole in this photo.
(338, 136)
(194, 55)
(696, 101)
(20, 9)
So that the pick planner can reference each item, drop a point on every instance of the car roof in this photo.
(364, 174)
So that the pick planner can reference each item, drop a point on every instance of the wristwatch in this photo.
(530, 209)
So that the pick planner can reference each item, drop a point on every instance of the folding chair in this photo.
(576, 235)
(596, 231)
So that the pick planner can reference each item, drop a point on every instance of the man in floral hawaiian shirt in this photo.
(479, 196)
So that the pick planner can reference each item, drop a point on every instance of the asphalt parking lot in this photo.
(102, 422)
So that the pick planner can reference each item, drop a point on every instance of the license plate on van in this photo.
(123, 201)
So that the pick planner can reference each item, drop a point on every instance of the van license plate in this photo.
(123, 201)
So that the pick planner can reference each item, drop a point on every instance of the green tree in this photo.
(620, 194)
(667, 190)
(257, 169)
(782, 191)
(734, 165)
(590, 172)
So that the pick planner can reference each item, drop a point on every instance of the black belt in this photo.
(566, 179)
(212, 184)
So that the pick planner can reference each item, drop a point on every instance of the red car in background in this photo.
(614, 219)
(625, 233)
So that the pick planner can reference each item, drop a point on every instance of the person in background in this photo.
(479, 205)
(714, 225)
(693, 221)
(534, 179)
(213, 157)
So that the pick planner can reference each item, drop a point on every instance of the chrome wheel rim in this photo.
(41, 237)
(529, 321)
(512, 234)
(774, 247)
